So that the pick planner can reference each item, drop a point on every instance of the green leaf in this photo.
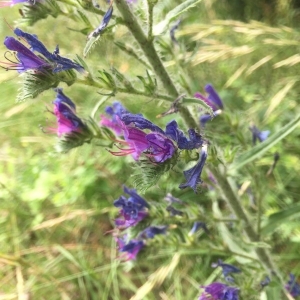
(263, 147)
(90, 44)
(278, 218)
(172, 15)
(188, 100)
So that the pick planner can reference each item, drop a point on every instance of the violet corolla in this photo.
(57, 62)
(219, 291)
(130, 249)
(292, 286)
(226, 269)
(258, 135)
(23, 58)
(213, 100)
(132, 210)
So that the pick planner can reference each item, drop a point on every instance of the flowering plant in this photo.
(187, 155)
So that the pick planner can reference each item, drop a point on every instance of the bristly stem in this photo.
(153, 58)
(150, 20)
(233, 201)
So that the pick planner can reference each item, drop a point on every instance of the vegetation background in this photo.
(55, 209)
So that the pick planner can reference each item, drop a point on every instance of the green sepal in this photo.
(35, 83)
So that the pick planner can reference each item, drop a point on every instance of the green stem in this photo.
(231, 198)
(150, 20)
(153, 58)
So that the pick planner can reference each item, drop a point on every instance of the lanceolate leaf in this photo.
(263, 147)
(173, 14)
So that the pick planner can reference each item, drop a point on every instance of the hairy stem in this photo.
(150, 20)
(232, 199)
(153, 58)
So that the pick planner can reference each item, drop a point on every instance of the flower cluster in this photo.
(132, 211)
(157, 145)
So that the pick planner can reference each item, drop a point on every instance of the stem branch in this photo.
(153, 58)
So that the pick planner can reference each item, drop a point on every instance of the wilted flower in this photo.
(25, 58)
(293, 287)
(133, 210)
(226, 269)
(197, 226)
(258, 135)
(4, 3)
(213, 100)
(192, 175)
(103, 24)
(265, 282)
(219, 291)
(131, 249)
(58, 62)
(172, 31)
(173, 211)
(151, 231)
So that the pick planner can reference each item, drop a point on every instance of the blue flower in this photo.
(213, 100)
(258, 135)
(177, 135)
(103, 23)
(192, 175)
(197, 226)
(60, 63)
(293, 287)
(219, 291)
(133, 210)
(226, 269)
(151, 231)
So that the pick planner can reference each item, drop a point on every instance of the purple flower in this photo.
(258, 135)
(131, 249)
(65, 112)
(219, 291)
(133, 210)
(155, 145)
(13, 2)
(151, 231)
(293, 287)
(213, 100)
(197, 226)
(26, 59)
(226, 269)
(177, 135)
(192, 175)
(115, 112)
(59, 63)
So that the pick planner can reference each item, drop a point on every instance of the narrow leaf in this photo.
(172, 15)
(263, 147)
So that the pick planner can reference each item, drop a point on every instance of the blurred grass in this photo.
(56, 209)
